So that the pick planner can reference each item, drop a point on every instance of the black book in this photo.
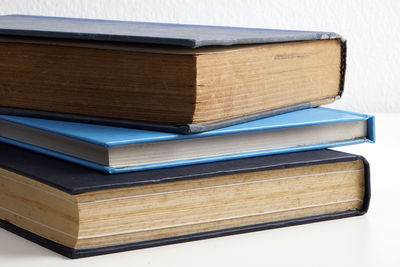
(79, 212)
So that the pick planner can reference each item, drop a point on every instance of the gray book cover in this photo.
(149, 33)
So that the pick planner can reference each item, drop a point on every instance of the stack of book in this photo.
(123, 135)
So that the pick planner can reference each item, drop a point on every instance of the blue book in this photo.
(118, 150)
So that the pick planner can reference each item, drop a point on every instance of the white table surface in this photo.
(369, 240)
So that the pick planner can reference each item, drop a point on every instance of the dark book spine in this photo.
(367, 186)
(343, 64)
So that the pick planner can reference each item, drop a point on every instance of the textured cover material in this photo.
(162, 34)
(75, 179)
(106, 136)
(148, 33)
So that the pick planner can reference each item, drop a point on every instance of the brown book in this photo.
(162, 73)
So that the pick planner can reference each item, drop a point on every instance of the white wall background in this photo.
(371, 28)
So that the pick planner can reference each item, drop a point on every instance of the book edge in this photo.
(81, 253)
(185, 129)
(178, 163)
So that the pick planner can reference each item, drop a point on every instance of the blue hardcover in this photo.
(107, 136)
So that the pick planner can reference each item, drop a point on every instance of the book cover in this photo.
(234, 142)
(149, 33)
